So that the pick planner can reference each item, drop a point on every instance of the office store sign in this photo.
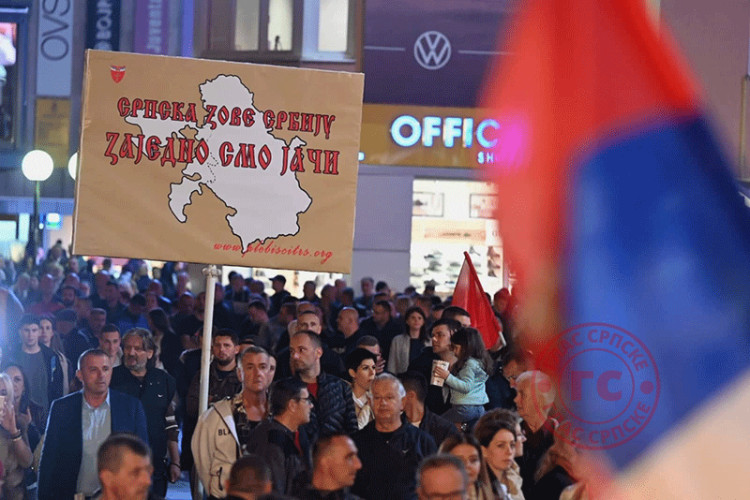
(430, 136)
(448, 131)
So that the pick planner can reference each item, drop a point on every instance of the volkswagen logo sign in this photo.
(432, 50)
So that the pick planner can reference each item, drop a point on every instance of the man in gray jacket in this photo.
(219, 438)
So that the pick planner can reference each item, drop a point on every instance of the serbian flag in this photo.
(631, 244)
(470, 295)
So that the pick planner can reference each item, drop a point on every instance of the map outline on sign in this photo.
(298, 140)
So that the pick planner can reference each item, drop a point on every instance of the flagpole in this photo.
(208, 318)
(743, 118)
(743, 124)
(211, 273)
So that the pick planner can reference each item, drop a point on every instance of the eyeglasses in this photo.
(308, 399)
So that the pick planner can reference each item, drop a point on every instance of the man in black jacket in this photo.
(278, 283)
(330, 362)
(74, 342)
(156, 390)
(334, 407)
(222, 372)
(279, 439)
(390, 450)
(382, 325)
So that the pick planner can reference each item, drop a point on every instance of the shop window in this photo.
(329, 30)
(333, 26)
(9, 227)
(449, 218)
(280, 24)
(247, 33)
(13, 61)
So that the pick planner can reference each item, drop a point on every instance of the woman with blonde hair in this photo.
(561, 471)
(469, 451)
(15, 453)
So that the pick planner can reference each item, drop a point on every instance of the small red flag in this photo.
(470, 295)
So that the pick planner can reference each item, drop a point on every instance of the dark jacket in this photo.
(170, 353)
(537, 444)
(114, 313)
(63, 444)
(437, 427)
(333, 409)
(55, 373)
(309, 493)
(423, 364)
(341, 344)
(275, 443)
(276, 300)
(389, 462)
(549, 485)
(74, 344)
(156, 393)
(350, 343)
(218, 388)
(385, 335)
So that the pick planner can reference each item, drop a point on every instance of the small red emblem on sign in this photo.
(117, 72)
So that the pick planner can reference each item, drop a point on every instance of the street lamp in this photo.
(37, 166)
(73, 166)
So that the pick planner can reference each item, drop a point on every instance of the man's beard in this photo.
(134, 365)
(223, 362)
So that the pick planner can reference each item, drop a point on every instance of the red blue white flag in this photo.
(631, 243)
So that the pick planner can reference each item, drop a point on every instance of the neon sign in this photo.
(407, 131)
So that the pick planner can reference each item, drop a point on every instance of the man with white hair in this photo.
(534, 398)
(389, 448)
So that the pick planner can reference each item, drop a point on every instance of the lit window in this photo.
(247, 33)
(333, 24)
(280, 24)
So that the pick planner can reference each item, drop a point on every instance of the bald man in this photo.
(348, 333)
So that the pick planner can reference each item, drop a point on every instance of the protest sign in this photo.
(217, 162)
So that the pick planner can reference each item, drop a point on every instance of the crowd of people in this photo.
(334, 394)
